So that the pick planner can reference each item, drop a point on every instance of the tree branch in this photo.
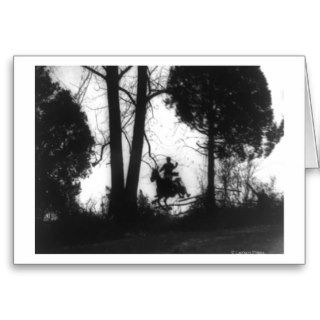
(149, 149)
(156, 93)
(147, 163)
(124, 71)
(201, 146)
(126, 136)
(101, 154)
(95, 72)
(128, 94)
(204, 154)
(79, 96)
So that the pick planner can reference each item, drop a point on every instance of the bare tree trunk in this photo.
(117, 176)
(210, 187)
(137, 142)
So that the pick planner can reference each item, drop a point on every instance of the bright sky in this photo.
(168, 138)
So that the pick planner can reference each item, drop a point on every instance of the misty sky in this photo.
(167, 136)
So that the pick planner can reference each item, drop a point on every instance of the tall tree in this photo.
(230, 106)
(111, 76)
(137, 140)
(116, 156)
(134, 93)
(149, 84)
(63, 146)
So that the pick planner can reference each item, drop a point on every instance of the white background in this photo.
(133, 27)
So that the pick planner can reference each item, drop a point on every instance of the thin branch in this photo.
(128, 94)
(149, 80)
(82, 90)
(149, 149)
(152, 70)
(124, 71)
(101, 153)
(128, 120)
(125, 100)
(201, 146)
(186, 146)
(147, 163)
(126, 136)
(95, 72)
(156, 93)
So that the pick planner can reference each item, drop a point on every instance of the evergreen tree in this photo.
(231, 106)
(63, 146)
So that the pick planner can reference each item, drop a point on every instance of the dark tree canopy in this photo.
(63, 145)
(235, 99)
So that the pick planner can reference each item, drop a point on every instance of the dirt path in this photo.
(263, 239)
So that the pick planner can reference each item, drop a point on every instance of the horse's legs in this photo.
(159, 203)
(184, 192)
(181, 192)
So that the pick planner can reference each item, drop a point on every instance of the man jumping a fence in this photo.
(168, 168)
(168, 175)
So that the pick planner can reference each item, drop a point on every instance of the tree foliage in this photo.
(236, 99)
(63, 146)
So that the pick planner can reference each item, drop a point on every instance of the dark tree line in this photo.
(230, 106)
(63, 145)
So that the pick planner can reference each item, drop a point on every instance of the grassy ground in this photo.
(233, 231)
(264, 239)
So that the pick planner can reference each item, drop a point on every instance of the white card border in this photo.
(24, 169)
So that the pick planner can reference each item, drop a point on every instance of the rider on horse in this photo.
(168, 168)
(166, 187)
(168, 174)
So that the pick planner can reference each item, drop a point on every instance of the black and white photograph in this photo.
(161, 159)
(157, 159)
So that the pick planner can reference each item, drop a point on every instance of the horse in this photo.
(166, 188)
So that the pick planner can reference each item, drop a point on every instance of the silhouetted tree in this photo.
(230, 105)
(63, 145)
(225, 176)
(149, 85)
(116, 156)
(111, 76)
(136, 93)
(137, 141)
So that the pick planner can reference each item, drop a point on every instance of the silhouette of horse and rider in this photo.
(168, 187)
